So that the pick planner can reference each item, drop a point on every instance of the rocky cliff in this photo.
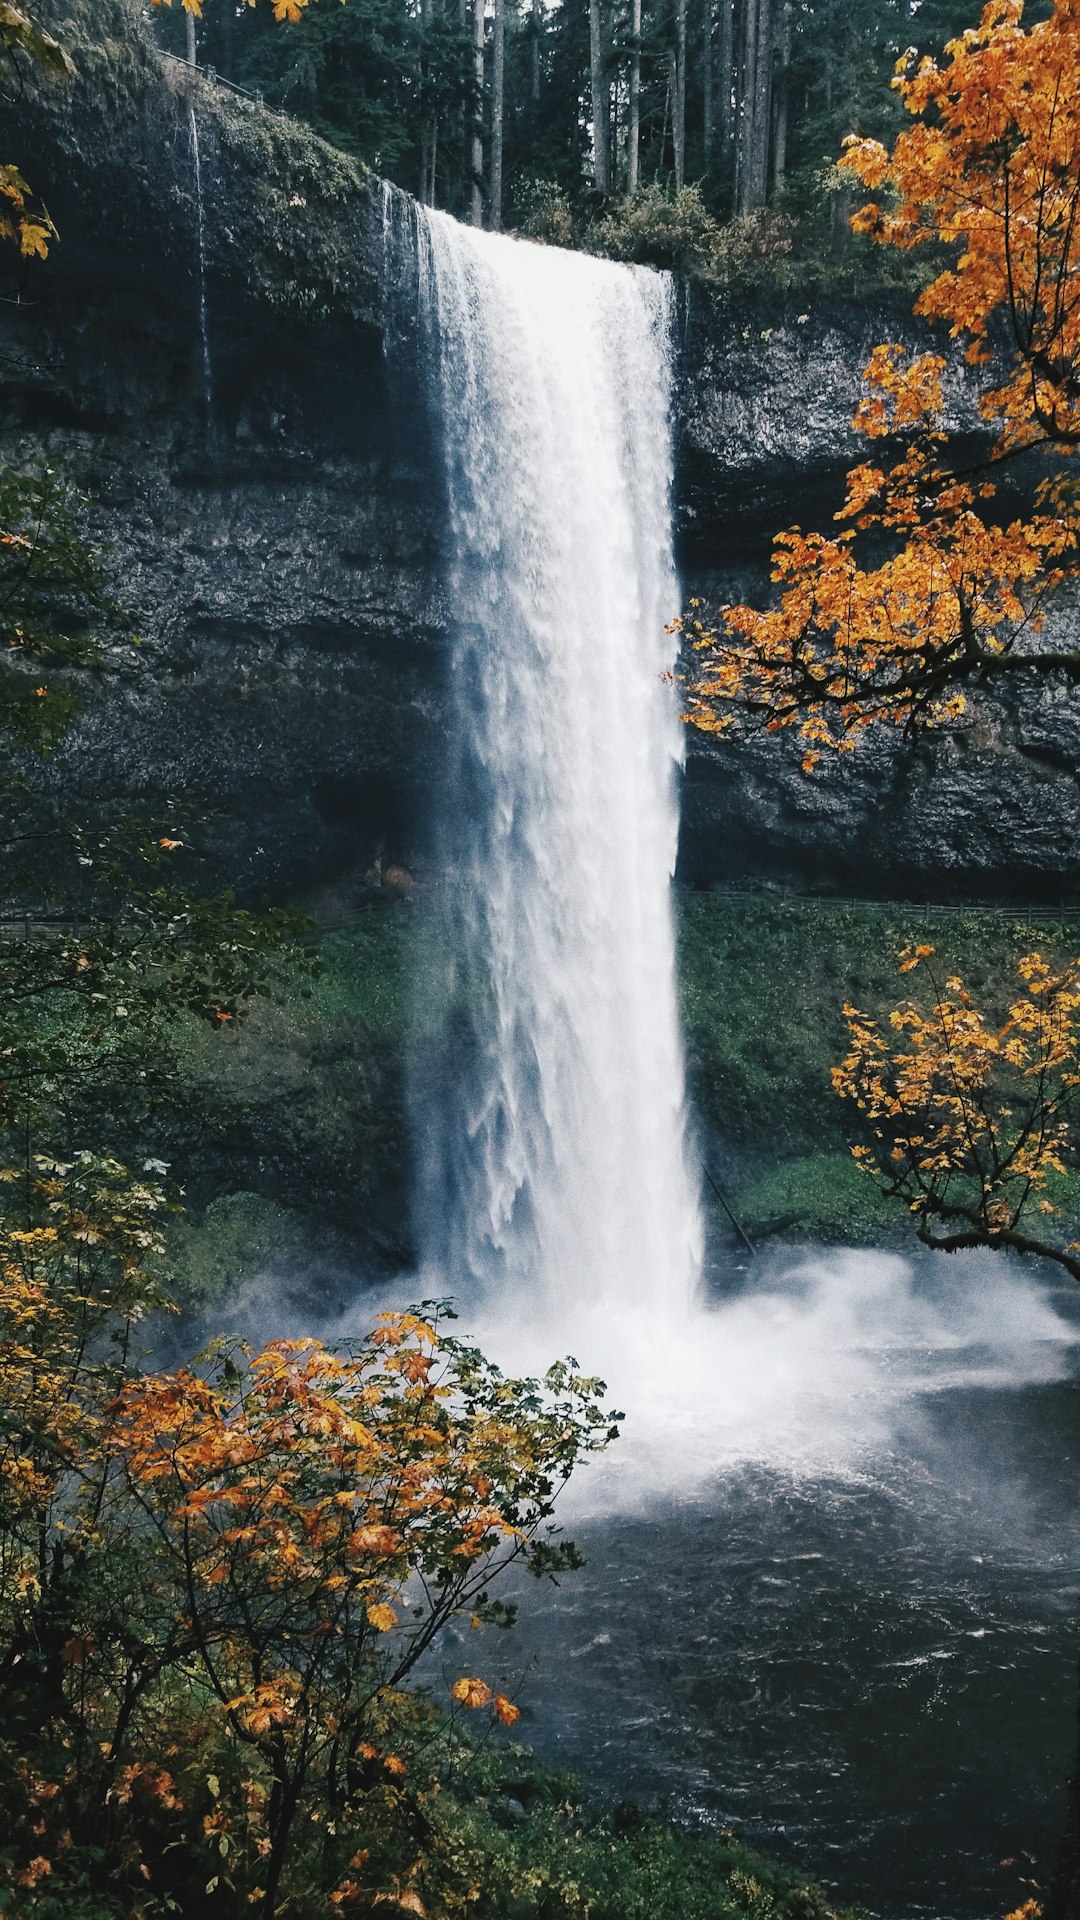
(205, 355)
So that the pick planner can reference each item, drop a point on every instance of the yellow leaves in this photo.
(910, 958)
(34, 1872)
(504, 1710)
(968, 1113)
(904, 392)
(471, 1693)
(382, 1617)
(989, 172)
(34, 237)
(264, 1708)
(28, 228)
(378, 1540)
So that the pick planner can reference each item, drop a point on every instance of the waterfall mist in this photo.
(550, 1120)
(556, 1200)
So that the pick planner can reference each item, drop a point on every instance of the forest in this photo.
(546, 118)
(341, 1097)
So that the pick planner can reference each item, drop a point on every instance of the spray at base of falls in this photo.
(558, 1206)
(553, 1157)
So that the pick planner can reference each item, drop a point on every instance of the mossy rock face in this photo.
(288, 218)
(265, 507)
(764, 983)
(302, 1172)
(309, 1157)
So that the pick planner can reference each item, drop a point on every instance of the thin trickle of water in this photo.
(553, 1151)
(200, 260)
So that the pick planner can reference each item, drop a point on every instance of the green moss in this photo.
(823, 1194)
(309, 1093)
(764, 981)
(512, 1840)
(308, 1141)
(239, 1237)
(291, 212)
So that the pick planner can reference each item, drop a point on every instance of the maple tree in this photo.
(931, 587)
(935, 585)
(327, 1514)
(968, 1116)
(222, 1575)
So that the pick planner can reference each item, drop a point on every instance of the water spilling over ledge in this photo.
(554, 1168)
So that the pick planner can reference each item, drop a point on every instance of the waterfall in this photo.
(200, 260)
(553, 1155)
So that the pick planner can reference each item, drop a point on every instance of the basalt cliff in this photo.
(210, 355)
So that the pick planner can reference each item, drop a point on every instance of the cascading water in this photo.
(554, 1155)
(200, 260)
(815, 1469)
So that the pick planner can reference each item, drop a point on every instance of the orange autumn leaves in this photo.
(475, 1694)
(315, 1490)
(991, 168)
(290, 10)
(928, 588)
(266, 1544)
(967, 1116)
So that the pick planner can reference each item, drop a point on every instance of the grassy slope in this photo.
(508, 1839)
(764, 981)
(311, 1091)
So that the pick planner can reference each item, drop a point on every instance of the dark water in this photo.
(867, 1669)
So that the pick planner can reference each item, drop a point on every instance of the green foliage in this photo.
(364, 76)
(526, 1843)
(239, 1237)
(657, 228)
(393, 85)
(818, 1196)
(793, 243)
(52, 589)
(545, 212)
(305, 1100)
(763, 984)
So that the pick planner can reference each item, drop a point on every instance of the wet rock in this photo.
(278, 538)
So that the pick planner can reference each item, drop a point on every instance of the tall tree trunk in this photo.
(227, 38)
(633, 136)
(189, 33)
(762, 105)
(755, 95)
(424, 192)
(461, 119)
(598, 82)
(679, 122)
(498, 65)
(780, 97)
(744, 105)
(706, 80)
(476, 202)
(725, 82)
(536, 25)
